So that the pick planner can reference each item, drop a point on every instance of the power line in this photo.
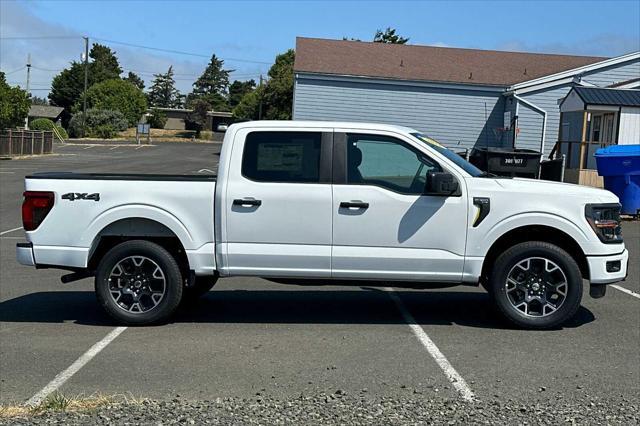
(16, 70)
(179, 52)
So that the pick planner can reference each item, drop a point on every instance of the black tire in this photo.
(200, 287)
(513, 261)
(158, 258)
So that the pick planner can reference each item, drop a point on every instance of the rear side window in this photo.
(282, 157)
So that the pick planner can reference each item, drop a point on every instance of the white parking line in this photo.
(626, 290)
(454, 377)
(8, 231)
(62, 377)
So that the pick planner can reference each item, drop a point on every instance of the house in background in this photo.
(593, 118)
(51, 112)
(461, 97)
(177, 118)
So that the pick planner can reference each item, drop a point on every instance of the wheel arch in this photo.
(543, 233)
(137, 228)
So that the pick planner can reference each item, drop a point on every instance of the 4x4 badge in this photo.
(72, 196)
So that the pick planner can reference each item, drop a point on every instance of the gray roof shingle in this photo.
(46, 111)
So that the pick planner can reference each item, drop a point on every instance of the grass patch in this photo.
(60, 402)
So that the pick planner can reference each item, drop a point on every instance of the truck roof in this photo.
(322, 124)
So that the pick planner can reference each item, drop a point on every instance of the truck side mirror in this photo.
(441, 183)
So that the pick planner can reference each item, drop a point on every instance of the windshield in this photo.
(458, 160)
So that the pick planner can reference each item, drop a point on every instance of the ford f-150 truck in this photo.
(326, 203)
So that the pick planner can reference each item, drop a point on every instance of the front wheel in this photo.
(536, 285)
(138, 282)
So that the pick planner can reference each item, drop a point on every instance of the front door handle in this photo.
(247, 202)
(354, 204)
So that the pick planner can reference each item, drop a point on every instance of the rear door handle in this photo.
(354, 204)
(247, 202)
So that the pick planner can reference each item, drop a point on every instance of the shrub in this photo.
(99, 122)
(206, 135)
(47, 125)
(157, 119)
(41, 124)
(104, 131)
(118, 95)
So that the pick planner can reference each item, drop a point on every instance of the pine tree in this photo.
(212, 86)
(163, 92)
(135, 79)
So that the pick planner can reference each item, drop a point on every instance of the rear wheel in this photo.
(138, 282)
(536, 285)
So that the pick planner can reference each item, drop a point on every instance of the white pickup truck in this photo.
(326, 203)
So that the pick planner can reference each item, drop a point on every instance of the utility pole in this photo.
(260, 104)
(26, 120)
(86, 79)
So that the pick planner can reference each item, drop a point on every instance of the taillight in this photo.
(35, 207)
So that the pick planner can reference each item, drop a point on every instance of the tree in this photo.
(14, 105)
(67, 87)
(278, 92)
(163, 92)
(238, 89)
(197, 118)
(135, 79)
(249, 105)
(35, 100)
(157, 119)
(104, 66)
(118, 95)
(389, 36)
(212, 86)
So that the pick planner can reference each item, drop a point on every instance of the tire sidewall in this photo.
(169, 267)
(520, 252)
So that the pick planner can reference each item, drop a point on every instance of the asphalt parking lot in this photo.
(249, 336)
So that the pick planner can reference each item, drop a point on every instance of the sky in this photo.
(249, 34)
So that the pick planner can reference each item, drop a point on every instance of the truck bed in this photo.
(88, 206)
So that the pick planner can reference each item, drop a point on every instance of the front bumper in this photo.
(24, 254)
(598, 268)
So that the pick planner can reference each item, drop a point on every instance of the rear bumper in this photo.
(24, 254)
(598, 268)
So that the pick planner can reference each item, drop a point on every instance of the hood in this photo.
(523, 186)
(535, 186)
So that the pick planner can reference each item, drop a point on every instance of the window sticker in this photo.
(280, 157)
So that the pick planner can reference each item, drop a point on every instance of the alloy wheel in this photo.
(536, 286)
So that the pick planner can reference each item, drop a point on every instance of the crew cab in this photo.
(325, 203)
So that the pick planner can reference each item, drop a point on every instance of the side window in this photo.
(388, 163)
(282, 157)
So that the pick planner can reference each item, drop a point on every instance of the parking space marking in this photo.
(10, 173)
(65, 375)
(454, 377)
(8, 231)
(626, 290)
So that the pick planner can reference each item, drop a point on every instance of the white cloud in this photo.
(49, 56)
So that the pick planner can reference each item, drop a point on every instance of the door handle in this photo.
(354, 204)
(247, 202)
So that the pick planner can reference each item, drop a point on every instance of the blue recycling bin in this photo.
(619, 165)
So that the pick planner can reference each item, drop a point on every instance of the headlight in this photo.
(605, 221)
